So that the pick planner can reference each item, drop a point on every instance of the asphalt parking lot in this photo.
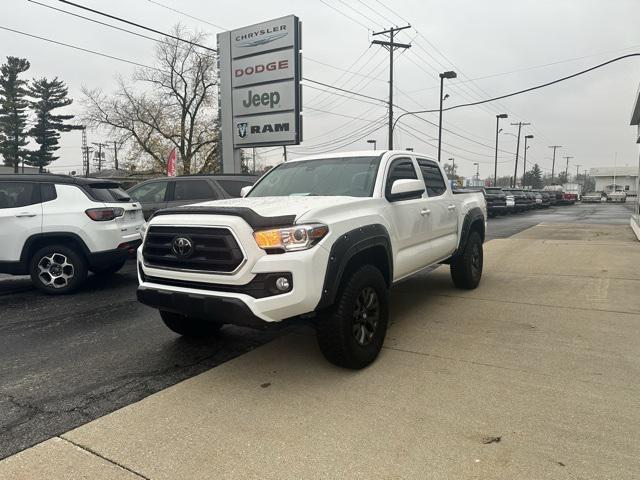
(65, 361)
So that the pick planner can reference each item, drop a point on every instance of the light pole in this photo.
(515, 170)
(453, 166)
(495, 166)
(524, 173)
(477, 174)
(375, 144)
(553, 165)
(448, 75)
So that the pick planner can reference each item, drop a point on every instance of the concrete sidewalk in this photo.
(533, 375)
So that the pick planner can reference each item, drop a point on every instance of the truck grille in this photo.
(206, 249)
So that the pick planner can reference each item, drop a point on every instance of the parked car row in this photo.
(502, 201)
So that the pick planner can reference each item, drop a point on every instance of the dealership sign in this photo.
(260, 74)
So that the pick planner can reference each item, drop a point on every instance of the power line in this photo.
(99, 22)
(345, 15)
(186, 14)
(343, 90)
(119, 19)
(78, 48)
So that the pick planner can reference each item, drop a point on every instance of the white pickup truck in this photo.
(321, 237)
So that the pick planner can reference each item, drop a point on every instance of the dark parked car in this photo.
(167, 192)
(546, 198)
(496, 200)
(523, 202)
(555, 196)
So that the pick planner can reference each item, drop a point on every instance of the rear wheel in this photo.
(352, 332)
(466, 268)
(57, 269)
(190, 326)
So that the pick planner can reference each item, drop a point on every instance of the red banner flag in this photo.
(171, 164)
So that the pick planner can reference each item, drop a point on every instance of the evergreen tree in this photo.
(533, 178)
(13, 116)
(48, 95)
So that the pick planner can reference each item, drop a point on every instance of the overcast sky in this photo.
(501, 46)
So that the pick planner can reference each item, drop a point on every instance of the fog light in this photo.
(282, 284)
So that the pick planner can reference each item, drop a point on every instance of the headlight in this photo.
(290, 239)
(143, 230)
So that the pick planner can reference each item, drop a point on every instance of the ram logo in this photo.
(242, 129)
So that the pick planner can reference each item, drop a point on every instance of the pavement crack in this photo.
(106, 459)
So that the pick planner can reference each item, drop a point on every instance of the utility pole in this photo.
(85, 152)
(391, 46)
(515, 172)
(566, 170)
(553, 165)
(524, 163)
(577, 168)
(100, 145)
(115, 154)
(284, 153)
(495, 165)
(254, 159)
(453, 166)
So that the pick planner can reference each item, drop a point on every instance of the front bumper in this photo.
(231, 298)
(226, 309)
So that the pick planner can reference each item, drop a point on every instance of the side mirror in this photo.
(245, 190)
(406, 189)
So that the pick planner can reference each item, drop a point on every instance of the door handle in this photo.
(425, 211)
(25, 215)
(451, 207)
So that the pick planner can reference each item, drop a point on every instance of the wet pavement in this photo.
(67, 360)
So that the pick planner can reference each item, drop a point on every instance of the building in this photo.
(609, 179)
(635, 120)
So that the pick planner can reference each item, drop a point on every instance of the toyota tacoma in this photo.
(321, 237)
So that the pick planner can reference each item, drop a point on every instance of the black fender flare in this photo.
(344, 249)
(474, 215)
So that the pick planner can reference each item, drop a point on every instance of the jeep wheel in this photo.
(190, 326)
(352, 332)
(57, 269)
(109, 269)
(466, 268)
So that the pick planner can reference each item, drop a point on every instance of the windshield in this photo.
(108, 193)
(348, 176)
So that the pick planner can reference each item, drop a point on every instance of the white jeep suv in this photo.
(57, 228)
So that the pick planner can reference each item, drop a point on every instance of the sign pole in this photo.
(231, 157)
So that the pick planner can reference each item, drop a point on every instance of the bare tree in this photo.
(170, 105)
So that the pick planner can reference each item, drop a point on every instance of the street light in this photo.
(498, 130)
(448, 75)
(524, 173)
(374, 143)
(477, 173)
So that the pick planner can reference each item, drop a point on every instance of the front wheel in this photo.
(56, 269)
(466, 267)
(352, 332)
(190, 326)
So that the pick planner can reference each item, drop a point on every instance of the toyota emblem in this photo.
(182, 246)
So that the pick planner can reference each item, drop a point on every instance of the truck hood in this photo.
(276, 206)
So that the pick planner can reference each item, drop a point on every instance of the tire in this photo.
(466, 268)
(351, 333)
(109, 269)
(57, 269)
(190, 326)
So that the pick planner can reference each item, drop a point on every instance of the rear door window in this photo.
(433, 180)
(18, 194)
(233, 187)
(153, 192)
(194, 190)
